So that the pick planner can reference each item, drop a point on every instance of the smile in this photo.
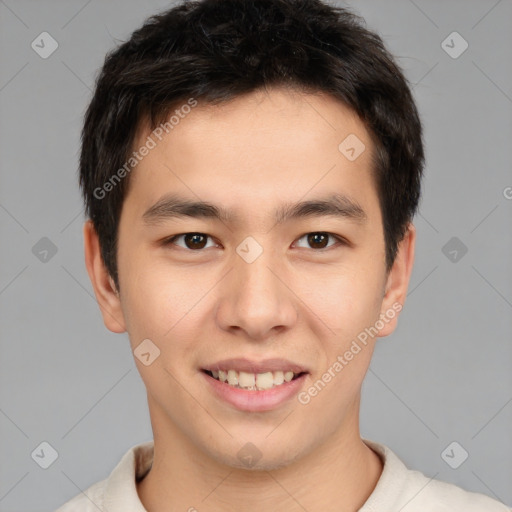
(254, 392)
(253, 381)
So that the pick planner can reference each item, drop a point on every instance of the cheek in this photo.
(161, 304)
(345, 299)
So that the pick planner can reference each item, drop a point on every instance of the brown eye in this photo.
(320, 239)
(193, 241)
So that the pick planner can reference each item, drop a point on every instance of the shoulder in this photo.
(431, 495)
(407, 490)
(118, 492)
(91, 500)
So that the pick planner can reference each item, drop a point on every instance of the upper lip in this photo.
(249, 366)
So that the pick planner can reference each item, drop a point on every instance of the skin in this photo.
(252, 155)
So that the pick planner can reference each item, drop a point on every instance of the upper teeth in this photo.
(253, 381)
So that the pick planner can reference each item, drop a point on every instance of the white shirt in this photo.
(398, 489)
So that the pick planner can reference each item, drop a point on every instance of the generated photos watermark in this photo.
(305, 397)
(137, 156)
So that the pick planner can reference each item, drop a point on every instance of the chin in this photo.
(256, 456)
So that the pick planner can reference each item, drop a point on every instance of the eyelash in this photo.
(341, 241)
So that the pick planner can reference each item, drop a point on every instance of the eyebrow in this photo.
(336, 205)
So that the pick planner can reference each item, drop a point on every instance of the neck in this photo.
(339, 475)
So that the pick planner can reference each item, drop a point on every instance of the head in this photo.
(251, 108)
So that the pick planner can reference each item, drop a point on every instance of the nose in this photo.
(255, 300)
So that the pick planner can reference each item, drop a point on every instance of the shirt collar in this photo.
(390, 485)
(120, 490)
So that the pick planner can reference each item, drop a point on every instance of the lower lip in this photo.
(258, 400)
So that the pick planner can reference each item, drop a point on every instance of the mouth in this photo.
(252, 385)
(256, 390)
(250, 381)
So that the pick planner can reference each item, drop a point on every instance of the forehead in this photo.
(264, 147)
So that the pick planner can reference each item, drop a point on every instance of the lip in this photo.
(250, 366)
(256, 400)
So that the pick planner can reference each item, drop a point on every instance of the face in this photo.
(254, 275)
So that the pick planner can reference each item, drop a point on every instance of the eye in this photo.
(318, 239)
(193, 241)
(198, 241)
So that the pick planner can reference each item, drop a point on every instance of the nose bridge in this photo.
(256, 300)
(257, 287)
(256, 278)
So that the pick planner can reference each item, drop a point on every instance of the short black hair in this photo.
(216, 50)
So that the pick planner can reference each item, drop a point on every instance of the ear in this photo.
(398, 282)
(104, 288)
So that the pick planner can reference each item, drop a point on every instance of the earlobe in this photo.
(105, 290)
(398, 282)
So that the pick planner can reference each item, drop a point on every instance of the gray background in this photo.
(443, 376)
